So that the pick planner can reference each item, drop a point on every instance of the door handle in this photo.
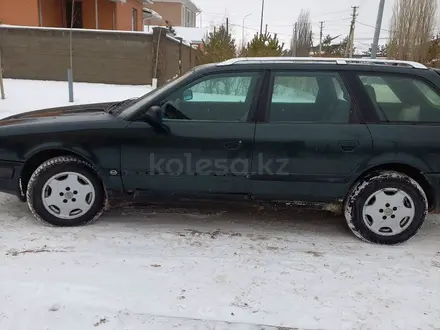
(349, 145)
(235, 145)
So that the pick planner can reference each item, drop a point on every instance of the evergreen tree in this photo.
(381, 51)
(217, 46)
(263, 45)
(333, 50)
(434, 51)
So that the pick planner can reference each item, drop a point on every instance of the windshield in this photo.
(145, 99)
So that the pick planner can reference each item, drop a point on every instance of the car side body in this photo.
(315, 160)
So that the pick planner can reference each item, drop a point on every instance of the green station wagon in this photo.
(360, 134)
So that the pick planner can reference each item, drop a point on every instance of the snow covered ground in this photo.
(27, 95)
(212, 268)
(208, 267)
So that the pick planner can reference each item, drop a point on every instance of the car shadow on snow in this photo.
(219, 218)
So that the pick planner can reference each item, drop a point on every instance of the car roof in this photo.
(321, 60)
(365, 65)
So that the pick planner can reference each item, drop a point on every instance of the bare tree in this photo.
(411, 29)
(302, 40)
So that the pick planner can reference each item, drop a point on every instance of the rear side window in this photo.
(402, 99)
(319, 97)
(294, 89)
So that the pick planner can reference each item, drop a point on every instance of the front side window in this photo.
(400, 98)
(309, 97)
(220, 97)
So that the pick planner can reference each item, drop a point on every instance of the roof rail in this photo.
(341, 61)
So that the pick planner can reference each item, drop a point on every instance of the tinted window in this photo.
(317, 97)
(220, 97)
(402, 98)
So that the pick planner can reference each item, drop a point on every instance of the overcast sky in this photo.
(280, 16)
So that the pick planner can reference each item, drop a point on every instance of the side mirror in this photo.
(155, 113)
(188, 95)
(154, 117)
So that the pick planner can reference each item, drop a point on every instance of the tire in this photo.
(66, 191)
(386, 208)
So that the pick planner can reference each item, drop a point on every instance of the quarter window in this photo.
(317, 97)
(402, 98)
(221, 97)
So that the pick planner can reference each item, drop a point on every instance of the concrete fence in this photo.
(114, 57)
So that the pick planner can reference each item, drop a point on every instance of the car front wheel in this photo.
(65, 191)
(386, 208)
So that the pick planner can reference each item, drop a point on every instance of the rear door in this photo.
(310, 140)
(406, 128)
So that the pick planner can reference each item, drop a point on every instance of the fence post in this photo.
(2, 87)
(180, 55)
(159, 44)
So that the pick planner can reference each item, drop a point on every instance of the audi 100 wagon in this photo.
(359, 133)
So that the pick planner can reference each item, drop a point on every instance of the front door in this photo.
(209, 145)
(74, 14)
(309, 143)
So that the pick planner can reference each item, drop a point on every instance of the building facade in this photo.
(176, 12)
(87, 14)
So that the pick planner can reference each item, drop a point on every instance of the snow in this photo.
(188, 34)
(164, 268)
(27, 95)
(67, 29)
(205, 266)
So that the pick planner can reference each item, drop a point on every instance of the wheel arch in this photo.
(39, 156)
(409, 170)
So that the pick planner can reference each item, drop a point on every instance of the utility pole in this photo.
(320, 38)
(292, 44)
(265, 31)
(262, 17)
(377, 31)
(227, 26)
(2, 87)
(350, 43)
(242, 31)
(70, 69)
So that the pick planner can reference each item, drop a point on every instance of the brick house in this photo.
(88, 14)
(177, 12)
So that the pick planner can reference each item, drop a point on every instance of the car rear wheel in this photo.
(65, 191)
(386, 208)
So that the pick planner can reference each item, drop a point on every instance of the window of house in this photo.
(134, 20)
(402, 99)
(314, 97)
(220, 97)
(188, 18)
(193, 15)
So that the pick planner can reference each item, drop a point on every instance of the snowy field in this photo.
(208, 267)
(28, 95)
(163, 268)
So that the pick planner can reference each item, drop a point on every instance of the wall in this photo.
(27, 9)
(170, 50)
(98, 56)
(170, 11)
(52, 13)
(124, 15)
(105, 12)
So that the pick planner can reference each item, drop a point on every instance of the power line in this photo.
(320, 37)
(371, 26)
